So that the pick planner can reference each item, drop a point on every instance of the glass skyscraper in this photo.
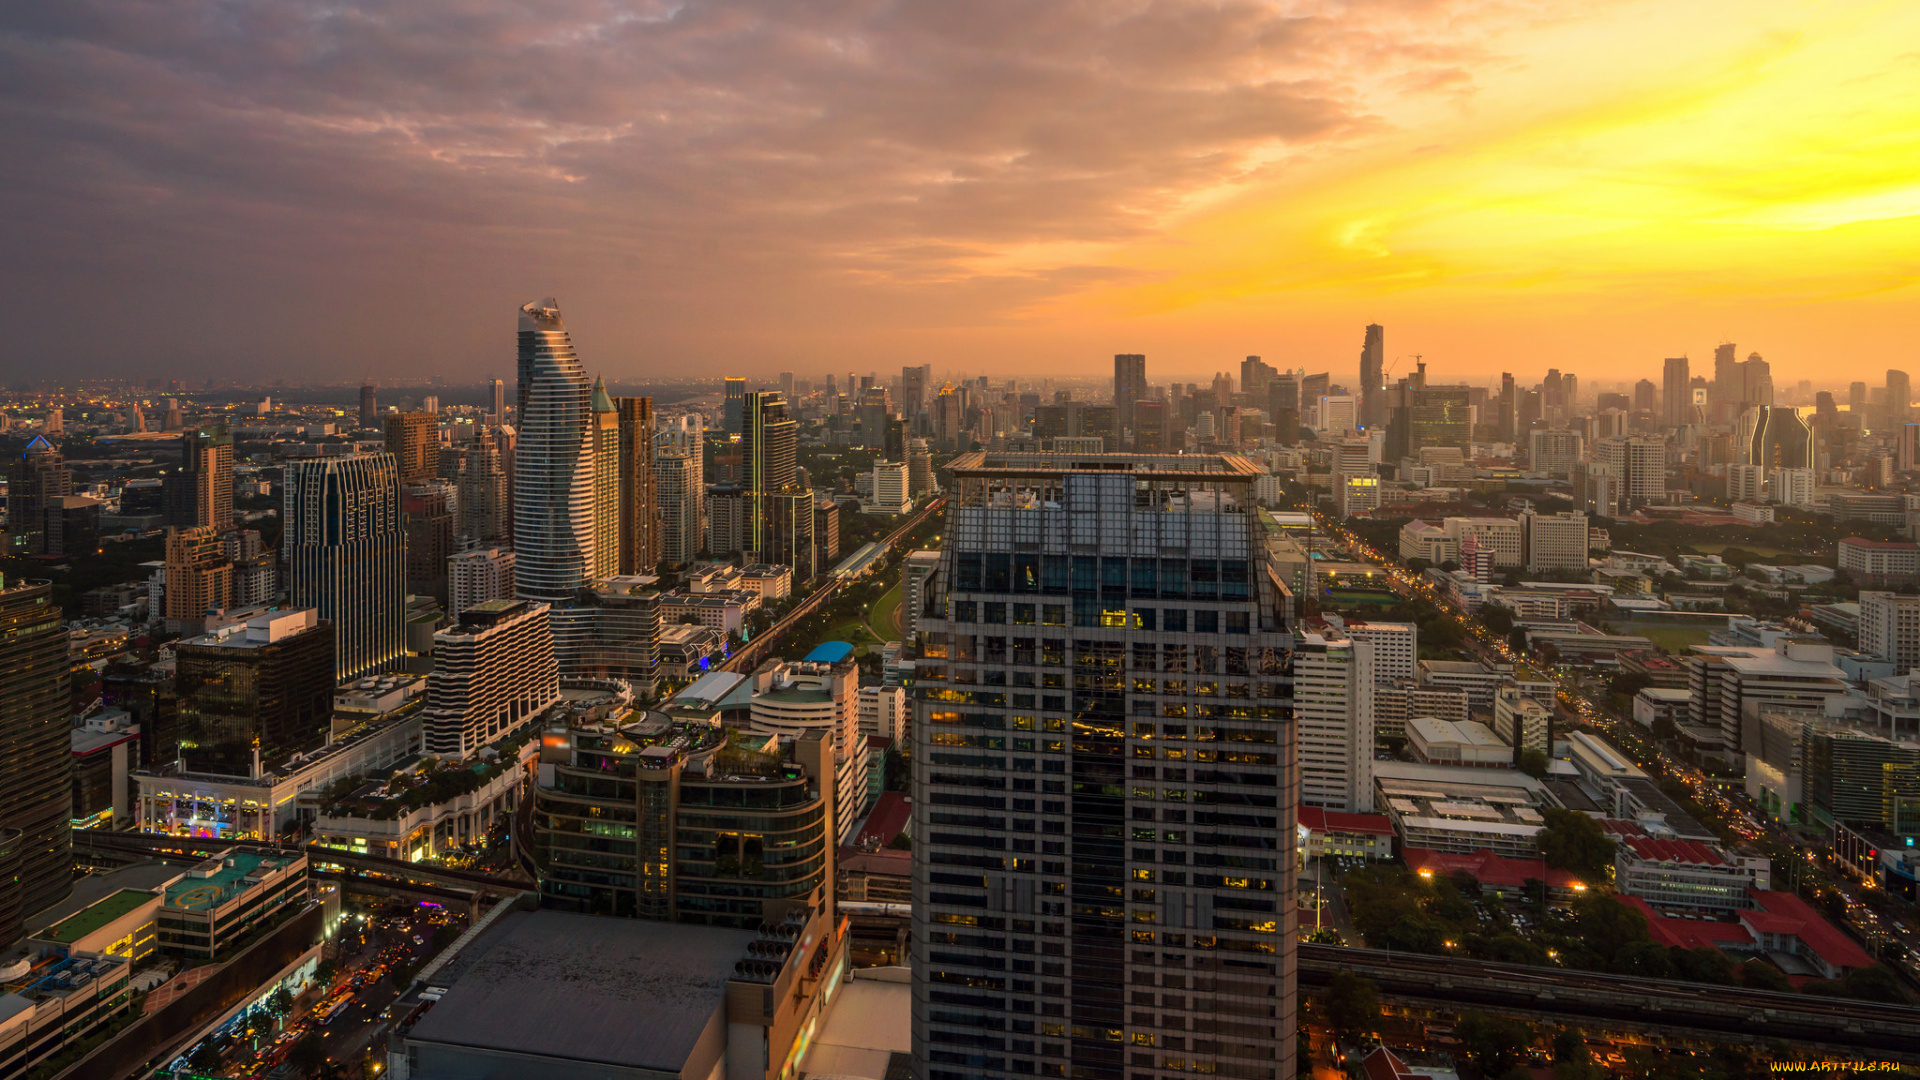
(553, 463)
(346, 549)
(36, 764)
(1104, 777)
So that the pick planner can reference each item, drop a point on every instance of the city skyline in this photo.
(1719, 171)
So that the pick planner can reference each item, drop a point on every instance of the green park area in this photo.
(883, 618)
(1673, 637)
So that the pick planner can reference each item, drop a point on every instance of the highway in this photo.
(756, 650)
(1840, 1024)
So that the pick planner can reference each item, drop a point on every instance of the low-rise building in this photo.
(725, 611)
(1462, 810)
(1500, 875)
(1521, 721)
(119, 924)
(1444, 742)
(1778, 925)
(1684, 874)
(1335, 835)
(1657, 703)
(218, 902)
(1879, 562)
(57, 1004)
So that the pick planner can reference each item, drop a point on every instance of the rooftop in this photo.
(587, 989)
(204, 893)
(829, 652)
(1171, 466)
(74, 927)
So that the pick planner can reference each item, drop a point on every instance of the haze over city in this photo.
(265, 190)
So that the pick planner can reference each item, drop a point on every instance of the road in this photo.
(1733, 809)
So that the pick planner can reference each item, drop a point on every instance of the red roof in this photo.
(889, 816)
(1487, 868)
(1688, 933)
(1691, 852)
(1785, 913)
(1383, 1064)
(1320, 820)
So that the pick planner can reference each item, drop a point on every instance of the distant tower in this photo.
(639, 504)
(39, 479)
(605, 425)
(1129, 386)
(1372, 362)
(736, 403)
(499, 415)
(1676, 382)
(56, 422)
(414, 441)
(200, 493)
(369, 408)
(552, 462)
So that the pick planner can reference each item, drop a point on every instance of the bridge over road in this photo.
(367, 866)
(1846, 1027)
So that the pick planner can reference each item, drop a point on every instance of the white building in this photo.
(821, 693)
(883, 712)
(1639, 468)
(1396, 646)
(493, 671)
(1497, 536)
(889, 489)
(1356, 493)
(474, 577)
(1420, 540)
(1521, 720)
(1554, 541)
(1673, 873)
(1879, 561)
(1448, 742)
(1746, 483)
(1794, 487)
(1725, 679)
(1553, 452)
(1333, 713)
(681, 494)
(917, 569)
(1890, 628)
(1339, 413)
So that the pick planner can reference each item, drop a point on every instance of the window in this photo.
(1236, 622)
(1023, 615)
(1206, 622)
(993, 613)
(964, 611)
(1174, 621)
(1144, 618)
(1053, 614)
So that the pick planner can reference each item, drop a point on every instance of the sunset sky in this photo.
(271, 188)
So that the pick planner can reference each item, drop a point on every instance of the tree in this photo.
(1517, 639)
(1353, 1005)
(1704, 964)
(1497, 617)
(309, 1054)
(1534, 763)
(1875, 983)
(324, 971)
(279, 1003)
(1494, 1044)
(1576, 843)
(1757, 974)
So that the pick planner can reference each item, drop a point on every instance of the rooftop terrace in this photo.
(74, 927)
(226, 877)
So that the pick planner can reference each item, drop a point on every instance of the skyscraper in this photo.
(1676, 381)
(1283, 409)
(1333, 679)
(605, 424)
(199, 577)
(1899, 395)
(553, 465)
(1255, 375)
(1775, 437)
(39, 478)
(200, 493)
(36, 795)
(768, 448)
(639, 505)
(426, 516)
(1127, 882)
(1644, 396)
(735, 403)
(413, 438)
(251, 696)
(1373, 355)
(493, 671)
(369, 408)
(1509, 406)
(482, 495)
(682, 498)
(346, 556)
(1129, 385)
(914, 382)
(497, 414)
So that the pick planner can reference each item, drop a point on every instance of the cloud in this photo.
(691, 157)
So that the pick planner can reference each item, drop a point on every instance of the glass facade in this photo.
(36, 770)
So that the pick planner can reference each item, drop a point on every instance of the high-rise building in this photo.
(369, 408)
(346, 553)
(1890, 628)
(1255, 376)
(1775, 437)
(1856, 396)
(39, 478)
(682, 500)
(1509, 425)
(605, 426)
(482, 498)
(493, 670)
(818, 694)
(426, 516)
(474, 577)
(36, 794)
(553, 463)
(1129, 386)
(199, 578)
(1899, 395)
(1676, 382)
(1150, 427)
(200, 492)
(252, 695)
(1333, 681)
(914, 383)
(1554, 541)
(413, 438)
(920, 481)
(779, 512)
(1645, 396)
(1638, 468)
(639, 503)
(497, 405)
(1283, 410)
(1373, 355)
(256, 570)
(735, 405)
(1057, 629)
(1552, 451)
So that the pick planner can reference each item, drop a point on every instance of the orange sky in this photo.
(992, 187)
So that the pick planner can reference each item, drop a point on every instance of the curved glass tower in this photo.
(553, 536)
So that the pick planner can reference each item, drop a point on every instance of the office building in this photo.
(1373, 355)
(914, 382)
(1150, 427)
(345, 546)
(493, 670)
(413, 438)
(427, 519)
(1283, 409)
(1129, 386)
(1746, 483)
(1500, 538)
(553, 463)
(1727, 680)
(1104, 674)
(253, 694)
(1775, 437)
(1878, 562)
(36, 771)
(734, 404)
(1638, 468)
(1333, 679)
(369, 408)
(682, 500)
(1890, 628)
(614, 633)
(474, 577)
(639, 502)
(604, 424)
(1553, 452)
(920, 478)
(199, 578)
(1554, 542)
(818, 694)
(1396, 646)
(889, 488)
(714, 826)
(481, 495)
(200, 493)
(497, 407)
(37, 479)
(1677, 393)
(1899, 396)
